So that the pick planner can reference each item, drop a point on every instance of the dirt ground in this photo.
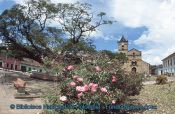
(7, 92)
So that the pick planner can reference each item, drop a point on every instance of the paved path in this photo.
(7, 98)
(7, 92)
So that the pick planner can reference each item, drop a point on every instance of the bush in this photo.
(161, 79)
(97, 84)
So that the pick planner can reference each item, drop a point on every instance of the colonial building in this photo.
(9, 63)
(169, 64)
(135, 62)
(25, 65)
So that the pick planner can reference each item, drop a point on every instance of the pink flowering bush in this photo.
(101, 84)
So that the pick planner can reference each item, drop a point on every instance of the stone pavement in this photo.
(7, 92)
(7, 98)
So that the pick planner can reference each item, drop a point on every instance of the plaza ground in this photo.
(34, 87)
(163, 96)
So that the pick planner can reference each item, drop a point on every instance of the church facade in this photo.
(134, 63)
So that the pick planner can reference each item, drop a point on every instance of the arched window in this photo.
(134, 63)
(134, 70)
(122, 47)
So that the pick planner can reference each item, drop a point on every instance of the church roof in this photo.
(122, 39)
(134, 49)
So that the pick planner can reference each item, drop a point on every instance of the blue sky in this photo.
(4, 4)
(114, 33)
(149, 25)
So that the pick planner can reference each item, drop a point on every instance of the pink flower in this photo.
(80, 89)
(104, 90)
(93, 90)
(80, 79)
(90, 85)
(79, 95)
(72, 84)
(113, 101)
(63, 98)
(114, 79)
(94, 87)
(98, 69)
(70, 67)
(75, 77)
(86, 88)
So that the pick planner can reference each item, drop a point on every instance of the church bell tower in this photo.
(123, 45)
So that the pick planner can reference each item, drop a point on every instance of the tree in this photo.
(121, 57)
(110, 54)
(26, 27)
(83, 45)
(78, 21)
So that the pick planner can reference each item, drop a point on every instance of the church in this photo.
(134, 63)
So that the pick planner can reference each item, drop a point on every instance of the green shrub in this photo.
(161, 79)
(105, 84)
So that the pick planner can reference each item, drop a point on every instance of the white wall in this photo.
(169, 65)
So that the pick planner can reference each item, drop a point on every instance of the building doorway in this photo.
(134, 70)
(11, 67)
(0, 64)
(161, 72)
(23, 68)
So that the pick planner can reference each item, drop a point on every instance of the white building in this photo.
(169, 64)
(159, 70)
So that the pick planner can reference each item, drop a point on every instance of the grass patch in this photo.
(161, 95)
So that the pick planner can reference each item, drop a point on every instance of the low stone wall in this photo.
(44, 76)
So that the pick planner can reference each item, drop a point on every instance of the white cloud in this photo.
(65, 1)
(100, 34)
(157, 16)
(54, 1)
(20, 1)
